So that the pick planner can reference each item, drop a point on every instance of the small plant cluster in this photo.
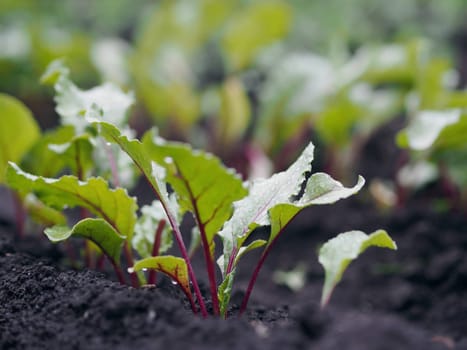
(92, 159)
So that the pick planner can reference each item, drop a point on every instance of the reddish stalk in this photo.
(178, 237)
(100, 262)
(155, 249)
(209, 261)
(253, 278)
(118, 271)
(129, 258)
(211, 270)
(184, 252)
(231, 260)
(258, 267)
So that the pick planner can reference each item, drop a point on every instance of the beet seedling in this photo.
(225, 210)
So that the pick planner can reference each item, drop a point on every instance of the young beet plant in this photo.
(225, 210)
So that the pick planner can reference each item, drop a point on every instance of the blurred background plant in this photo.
(251, 81)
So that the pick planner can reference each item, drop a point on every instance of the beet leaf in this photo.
(336, 254)
(113, 205)
(97, 230)
(155, 175)
(174, 267)
(18, 131)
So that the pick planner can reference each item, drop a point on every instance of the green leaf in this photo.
(97, 230)
(80, 108)
(172, 266)
(18, 131)
(425, 128)
(264, 194)
(276, 202)
(320, 189)
(336, 254)
(154, 173)
(258, 25)
(199, 179)
(145, 228)
(323, 189)
(248, 248)
(113, 205)
(106, 102)
(225, 291)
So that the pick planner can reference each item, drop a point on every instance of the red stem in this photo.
(253, 278)
(231, 260)
(258, 267)
(129, 259)
(155, 249)
(118, 271)
(209, 261)
(184, 252)
(181, 244)
(211, 270)
(100, 262)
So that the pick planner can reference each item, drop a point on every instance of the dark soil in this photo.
(414, 298)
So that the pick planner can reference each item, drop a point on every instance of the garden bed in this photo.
(414, 298)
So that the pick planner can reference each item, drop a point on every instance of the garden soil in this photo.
(412, 298)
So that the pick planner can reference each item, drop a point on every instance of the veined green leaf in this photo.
(172, 266)
(320, 189)
(264, 194)
(323, 189)
(18, 131)
(279, 208)
(97, 230)
(154, 173)
(336, 254)
(200, 181)
(113, 205)
(145, 228)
